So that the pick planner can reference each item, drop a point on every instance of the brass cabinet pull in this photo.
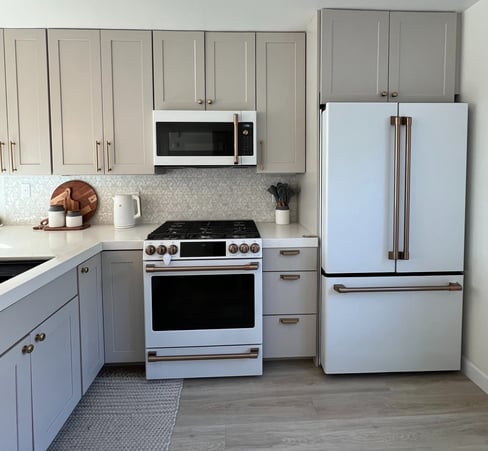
(108, 155)
(97, 155)
(40, 337)
(12, 161)
(384, 93)
(249, 267)
(199, 101)
(288, 321)
(394, 94)
(451, 286)
(85, 269)
(396, 121)
(236, 142)
(405, 255)
(261, 155)
(290, 253)
(290, 277)
(2, 167)
(210, 101)
(27, 349)
(152, 357)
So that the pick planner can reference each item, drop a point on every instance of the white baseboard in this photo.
(475, 374)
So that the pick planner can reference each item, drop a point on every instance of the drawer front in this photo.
(286, 292)
(286, 336)
(290, 259)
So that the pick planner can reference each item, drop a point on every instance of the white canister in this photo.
(282, 216)
(74, 218)
(55, 216)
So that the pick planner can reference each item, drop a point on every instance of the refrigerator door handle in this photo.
(393, 255)
(405, 255)
(451, 286)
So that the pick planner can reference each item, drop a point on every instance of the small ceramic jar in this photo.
(55, 216)
(74, 218)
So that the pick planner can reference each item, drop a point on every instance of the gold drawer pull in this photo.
(289, 253)
(289, 320)
(290, 277)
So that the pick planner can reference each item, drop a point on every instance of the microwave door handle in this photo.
(236, 130)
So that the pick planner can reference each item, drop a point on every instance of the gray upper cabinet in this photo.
(197, 70)
(101, 101)
(380, 56)
(280, 100)
(25, 144)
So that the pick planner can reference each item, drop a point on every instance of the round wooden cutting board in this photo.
(76, 195)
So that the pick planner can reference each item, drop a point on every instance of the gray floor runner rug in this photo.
(122, 411)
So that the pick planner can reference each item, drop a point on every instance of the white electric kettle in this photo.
(127, 207)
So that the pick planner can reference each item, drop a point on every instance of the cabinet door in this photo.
(76, 101)
(422, 56)
(230, 71)
(127, 101)
(3, 112)
(56, 373)
(179, 70)
(280, 83)
(15, 393)
(91, 319)
(354, 61)
(123, 306)
(27, 101)
(437, 186)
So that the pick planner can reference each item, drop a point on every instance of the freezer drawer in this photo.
(391, 331)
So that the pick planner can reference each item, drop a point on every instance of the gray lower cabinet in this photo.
(196, 70)
(101, 101)
(91, 319)
(280, 102)
(380, 56)
(40, 381)
(25, 144)
(123, 306)
(289, 302)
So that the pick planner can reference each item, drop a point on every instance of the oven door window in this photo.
(192, 302)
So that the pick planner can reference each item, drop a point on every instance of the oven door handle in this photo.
(152, 357)
(249, 267)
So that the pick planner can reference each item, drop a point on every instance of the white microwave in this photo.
(204, 138)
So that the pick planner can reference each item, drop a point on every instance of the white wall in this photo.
(474, 90)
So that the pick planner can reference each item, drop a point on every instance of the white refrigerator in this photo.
(393, 180)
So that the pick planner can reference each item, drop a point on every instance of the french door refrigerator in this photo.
(392, 236)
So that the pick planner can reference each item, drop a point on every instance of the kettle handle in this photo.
(138, 202)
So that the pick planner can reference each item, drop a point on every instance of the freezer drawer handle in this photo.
(452, 286)
(152, 357)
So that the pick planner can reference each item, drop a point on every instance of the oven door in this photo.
(203, 303)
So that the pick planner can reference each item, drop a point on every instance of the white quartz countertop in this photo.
(67, 249)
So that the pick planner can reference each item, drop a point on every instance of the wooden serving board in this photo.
(47, 228)
(76, 195)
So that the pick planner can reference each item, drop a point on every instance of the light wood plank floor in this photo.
(294, 406)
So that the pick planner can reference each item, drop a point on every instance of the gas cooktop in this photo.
(199, 230)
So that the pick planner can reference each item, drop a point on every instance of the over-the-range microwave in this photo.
(204, 138)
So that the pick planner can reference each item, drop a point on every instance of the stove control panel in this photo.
(202, 249)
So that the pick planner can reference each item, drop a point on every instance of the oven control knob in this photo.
(233, 248)
(150, 249)
(172, 250)
(255, 248)
(244, 248)
(161, 250)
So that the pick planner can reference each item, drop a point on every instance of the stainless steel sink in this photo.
(11, 268)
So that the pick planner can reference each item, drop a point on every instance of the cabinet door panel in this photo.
(354, 55)
(91, 319)
(15, 395)
(56, 373)
(280, 82)
(127, 101)
(422, 56)
(76, 100)
(27, 101)
(123, 306)
(230, 71)
(179, 70)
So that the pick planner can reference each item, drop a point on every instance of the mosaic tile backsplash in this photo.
(183, 193)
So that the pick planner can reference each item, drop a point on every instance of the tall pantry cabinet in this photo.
(101, 101)
(25, 145)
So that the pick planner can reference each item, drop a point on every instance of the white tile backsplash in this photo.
(183, 193)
